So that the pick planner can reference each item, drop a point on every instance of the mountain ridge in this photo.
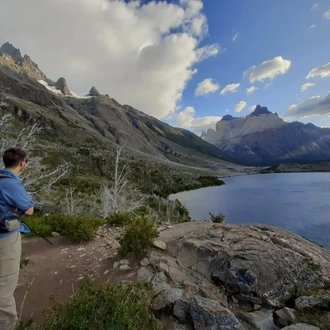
(263, 138)
(101, 118)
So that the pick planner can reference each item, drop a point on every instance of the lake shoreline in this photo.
(294, 201)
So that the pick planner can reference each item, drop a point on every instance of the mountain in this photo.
(87, 127)
(262, 138)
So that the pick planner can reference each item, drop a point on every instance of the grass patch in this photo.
(119, 219)
(124, 306)
(217, 218)
(76, 229)
(312, 265)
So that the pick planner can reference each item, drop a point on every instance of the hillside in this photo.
(262, 138)
(84, 129)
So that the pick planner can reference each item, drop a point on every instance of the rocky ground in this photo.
(206, 276)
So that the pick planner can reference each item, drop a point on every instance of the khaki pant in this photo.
(10, 255)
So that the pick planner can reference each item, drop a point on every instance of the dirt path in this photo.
(55, 271)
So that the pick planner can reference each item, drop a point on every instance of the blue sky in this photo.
(264, 30)
(186, 62)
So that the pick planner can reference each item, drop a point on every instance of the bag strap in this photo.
(4, 176)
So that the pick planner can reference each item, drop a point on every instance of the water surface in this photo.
(299, 202)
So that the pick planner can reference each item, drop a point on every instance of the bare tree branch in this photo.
(37, 177)
(122, 196)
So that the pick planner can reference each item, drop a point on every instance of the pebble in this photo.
(124, 267)
(124, 262)
(144, 262)
(160, 245)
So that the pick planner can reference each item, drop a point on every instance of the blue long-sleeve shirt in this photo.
(14, 196)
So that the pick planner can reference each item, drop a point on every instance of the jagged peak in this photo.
(62, 85)
(259, 110)
(15, 53)
(94, 92)
(227, 118)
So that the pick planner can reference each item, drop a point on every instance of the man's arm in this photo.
(16, 196)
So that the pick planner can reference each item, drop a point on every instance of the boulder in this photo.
(255, 263)
(166, 298)
(310, 302)
(144, 275)
(181, 310)
(260, 320)
(286, 316)
(208, 314)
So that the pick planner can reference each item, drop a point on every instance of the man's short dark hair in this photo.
(13, 156)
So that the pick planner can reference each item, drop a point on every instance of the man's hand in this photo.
(29, 211)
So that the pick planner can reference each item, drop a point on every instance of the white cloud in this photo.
(236, 35)
(240, 106)
(268, 85)
(268, 69)
(314, 106)
(207, 51)
(312, 26)
(305, 86)
(251, 89)
(186, 119)
(252, 107)
(142, 54)
(315, 6)
(326, 15)
(207, 86)
(231, 88)
(323, 71)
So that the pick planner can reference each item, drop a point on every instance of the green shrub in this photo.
(119, 219)
(75, 228)
(217, 218)
(138, 237)
(111, 307)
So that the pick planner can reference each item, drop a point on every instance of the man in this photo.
(14, 202)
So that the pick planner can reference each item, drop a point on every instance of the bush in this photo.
(111, 307)
(217, 218)
(138, 237)
(75, 228)
(119, 219)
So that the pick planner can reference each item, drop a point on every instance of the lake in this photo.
(298, 202)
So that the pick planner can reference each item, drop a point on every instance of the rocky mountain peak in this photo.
(259, 110)
(32, 68)
(15, 53)
(94, 92)
(227, 118)
(62, 85)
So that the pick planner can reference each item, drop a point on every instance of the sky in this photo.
(186, 62)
